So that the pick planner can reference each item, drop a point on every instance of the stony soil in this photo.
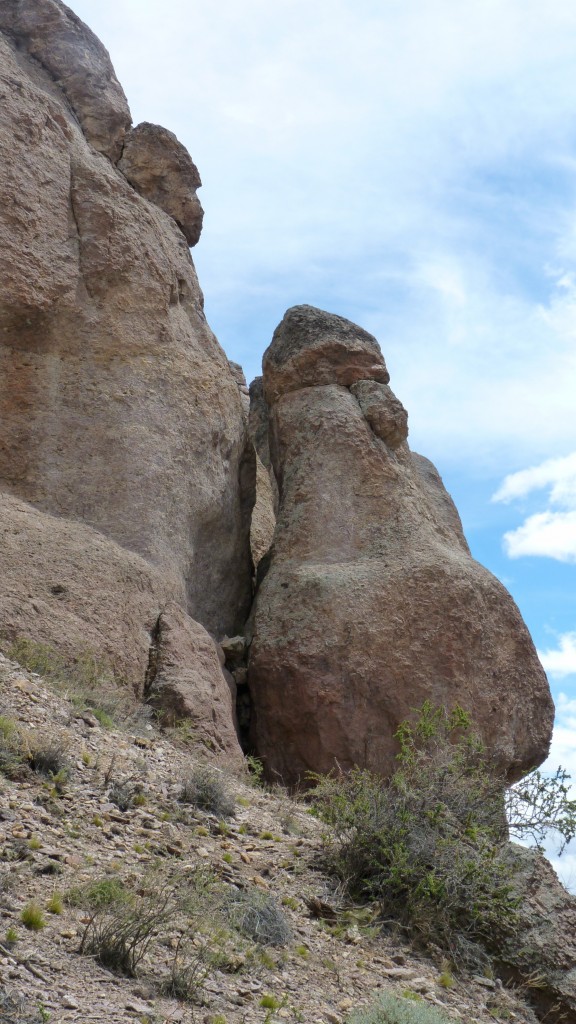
(52, 841)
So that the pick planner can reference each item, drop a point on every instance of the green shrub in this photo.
(257, 915)
(206, 790)
(32, 917)
(389, 1010)
(427, 842)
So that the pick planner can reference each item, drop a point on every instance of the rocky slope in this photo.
(59, 837)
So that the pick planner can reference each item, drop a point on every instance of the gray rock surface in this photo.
(372, 603)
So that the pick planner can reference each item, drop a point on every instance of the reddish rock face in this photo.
(372, 603)
(117, 404)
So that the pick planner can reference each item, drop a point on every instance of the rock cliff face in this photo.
(372, 602)
(118, 406)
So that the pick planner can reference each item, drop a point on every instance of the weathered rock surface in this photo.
(77, 62)
(68, 587)
(547, 953)
(160, 168)
(372, 603)
(186, 681)
(267, 499)
(117, 404)
(312, 348)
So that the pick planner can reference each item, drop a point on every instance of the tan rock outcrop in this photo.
(66, 586)
(160, 168)
(372, 603)
(117, 404)
(77, 62)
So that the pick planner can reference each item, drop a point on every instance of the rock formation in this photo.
(372, 603)
(70, 589)
(117, 404)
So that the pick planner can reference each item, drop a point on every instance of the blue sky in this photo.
(411, 165)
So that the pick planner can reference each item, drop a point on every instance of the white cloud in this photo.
(561, 661)
(551, 533)
(559, 473)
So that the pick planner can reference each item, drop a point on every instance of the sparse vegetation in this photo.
(13, 754)
(48, 758)
(205, 789)
(257, 915)
(389, 1010)
(87, 680)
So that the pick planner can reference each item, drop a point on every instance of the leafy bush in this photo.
(389, 1010)
(206, 790)
(426, 842)
(431, 843)
(258, 916)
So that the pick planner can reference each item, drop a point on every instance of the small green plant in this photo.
(266, 835)
(255, 769)
(35, 843)
(388, 1009)
(98, 894)
(303, 951)
(228, 858)
(103, 718)
(290, 901)
(205, 789)
(86, 758)
(32, 917)
(55, 903)
(11, 937)
(269, 1002)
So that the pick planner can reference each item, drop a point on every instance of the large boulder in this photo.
(70, 590)
(372, 602)
(117, 404)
